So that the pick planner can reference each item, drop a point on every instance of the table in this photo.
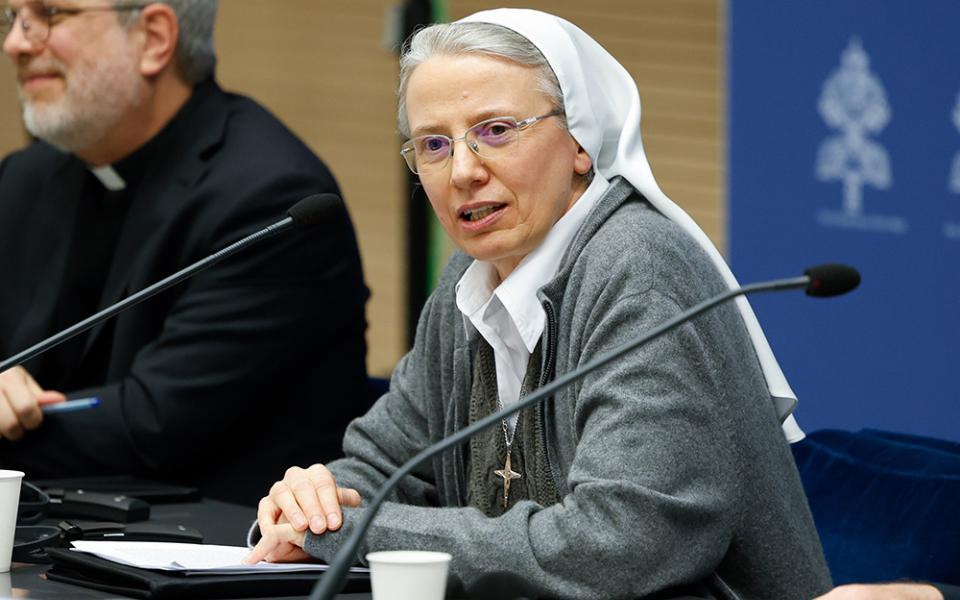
(220, 523)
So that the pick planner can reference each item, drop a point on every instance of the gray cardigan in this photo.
(671, 463)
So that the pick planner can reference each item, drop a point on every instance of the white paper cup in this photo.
(408, 575)
(9, 501)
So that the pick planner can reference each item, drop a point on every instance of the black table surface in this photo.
(219, 522)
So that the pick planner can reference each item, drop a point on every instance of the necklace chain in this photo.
(506, 436)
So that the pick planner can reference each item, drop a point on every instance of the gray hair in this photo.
(453, 39)
(195, 56)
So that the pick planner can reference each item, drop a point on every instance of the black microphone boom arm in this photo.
(332, 579)
(304, 214)
(143, 294)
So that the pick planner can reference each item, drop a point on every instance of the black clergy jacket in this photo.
(252, 366)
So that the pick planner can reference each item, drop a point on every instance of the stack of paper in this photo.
(205, 559)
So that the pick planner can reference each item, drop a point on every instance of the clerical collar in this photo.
(129, 170)
(109, 177)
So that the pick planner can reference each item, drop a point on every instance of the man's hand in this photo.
(20, 400)
(884, 591)
(305, 498)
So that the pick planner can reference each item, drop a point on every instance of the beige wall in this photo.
(322, 68)
(11, 129)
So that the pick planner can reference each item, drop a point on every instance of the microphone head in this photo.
(831, 280)
(314, 210)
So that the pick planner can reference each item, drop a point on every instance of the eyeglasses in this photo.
(492, 138)
(36, 18)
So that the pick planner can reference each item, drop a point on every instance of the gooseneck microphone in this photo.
(823, 281)
(306, 213)
(831, 280)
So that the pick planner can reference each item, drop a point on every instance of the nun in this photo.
(665, 474)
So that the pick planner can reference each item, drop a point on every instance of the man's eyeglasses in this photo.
(492, 138)
(36, 18)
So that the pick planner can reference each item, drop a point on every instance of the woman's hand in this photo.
(305, 498)
(279, 542)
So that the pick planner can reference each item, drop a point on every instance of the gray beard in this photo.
(95, 99)
(61, 131)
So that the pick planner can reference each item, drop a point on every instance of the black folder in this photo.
(91, 571)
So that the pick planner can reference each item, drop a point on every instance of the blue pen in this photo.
(70, 405)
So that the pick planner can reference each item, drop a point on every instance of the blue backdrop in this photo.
(844, 146)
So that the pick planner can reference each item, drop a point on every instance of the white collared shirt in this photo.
(509, 316)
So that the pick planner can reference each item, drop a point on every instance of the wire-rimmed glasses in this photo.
(490, 138)
(36, 18)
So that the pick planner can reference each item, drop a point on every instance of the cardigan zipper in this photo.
(546, 375)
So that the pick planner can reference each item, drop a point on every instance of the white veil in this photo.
(603, 114)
